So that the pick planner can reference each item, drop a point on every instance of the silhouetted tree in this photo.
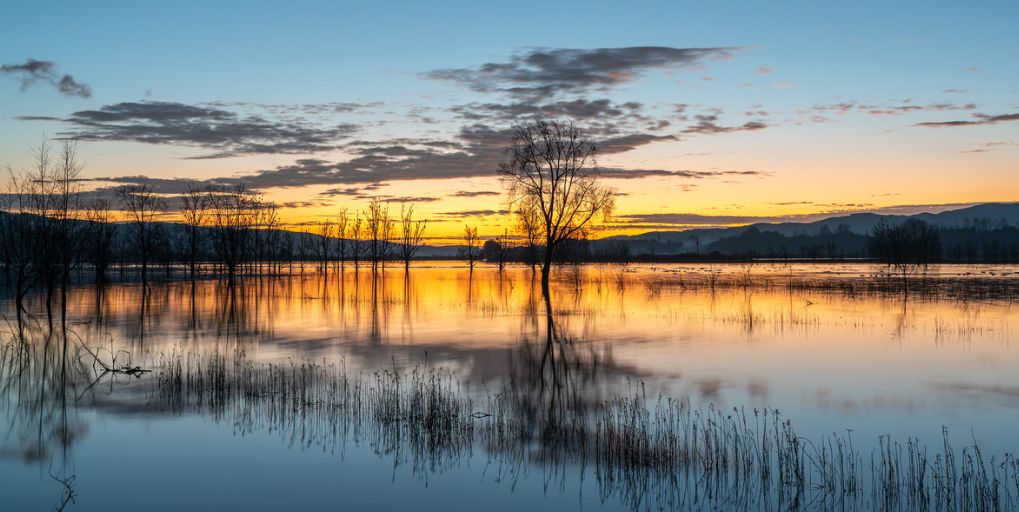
(100, 237)
(357, 246)
(411, 233)
(324, 245)
(552, 169)
(471, 243)
(379, 229)
(193, 210)
(342, 228)
(495, 250)
(907, 246)
(529, 224)
(231, 216)
(141, 205)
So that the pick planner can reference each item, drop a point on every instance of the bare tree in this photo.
(379, 228)
(18, 231)
(100, 237)
(231, 215)
(498, 250)
(67, 190)
(141, 205)
(357, 240)
(193, 209)
(471, 246)
(411, 233)
(529, 225)
(269, 226)
(342, 225)
(552, 169)
(324, 245)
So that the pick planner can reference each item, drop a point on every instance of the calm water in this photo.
(871, 363)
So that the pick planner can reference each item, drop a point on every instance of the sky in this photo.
(705, 113)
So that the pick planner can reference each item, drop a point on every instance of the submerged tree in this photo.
(411, 233)
(141, 205)
(906, 247)
(342, 225)
(471, 246)
(231, 215)
(323, 247)
(552, 173)
(529, 225)
(496, 250)
(378, 230)
(100, 238)
(193, 209)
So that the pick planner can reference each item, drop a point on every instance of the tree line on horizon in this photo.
(49, 231)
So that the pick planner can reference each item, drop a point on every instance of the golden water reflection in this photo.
(753, 346)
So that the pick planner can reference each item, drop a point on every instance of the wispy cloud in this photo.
(990, 146)
(475, 193)
(889, 108)
(207, 126)
(546, 72)
(978, 119)
(708, 125)
(32, 72)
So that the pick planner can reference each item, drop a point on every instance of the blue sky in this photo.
(786, 60)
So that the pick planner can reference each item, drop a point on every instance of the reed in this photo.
(649, 453)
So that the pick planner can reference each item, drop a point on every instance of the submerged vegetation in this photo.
(646, 452)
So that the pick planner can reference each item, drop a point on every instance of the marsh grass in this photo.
(745, 278)
(648, 453)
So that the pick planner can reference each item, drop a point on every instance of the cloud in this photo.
(546, 72)
(44, 71)
(473, 213)
(475, 193)
(707, 125)
(979, 119)
(629, 142)
(224, 132)
(476, 151)
(990, 146)
(577, 109)
(892, 108)
(624, 174)
(681, 220)
(694, 219)
(764, 70)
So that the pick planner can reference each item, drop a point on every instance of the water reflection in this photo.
(525, 375)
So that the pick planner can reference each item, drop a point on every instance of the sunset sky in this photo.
(706, 113)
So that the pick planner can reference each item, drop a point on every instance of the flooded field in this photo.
(626, 388)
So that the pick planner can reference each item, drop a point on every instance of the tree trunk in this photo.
(546, 268)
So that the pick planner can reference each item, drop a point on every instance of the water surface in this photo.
(830, 359)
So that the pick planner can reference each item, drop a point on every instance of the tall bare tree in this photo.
(379, 229)
(18, 231)
(193, 210)
(141, 205)
(231, 216)
(342, 225)
(411, 234)
(357, 240)
(271, 237)
(100, 237)
(67, 190)
(552, 169)
(325, 242)
(529, 225)
(472, 244)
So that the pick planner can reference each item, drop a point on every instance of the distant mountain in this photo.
(700, 240)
